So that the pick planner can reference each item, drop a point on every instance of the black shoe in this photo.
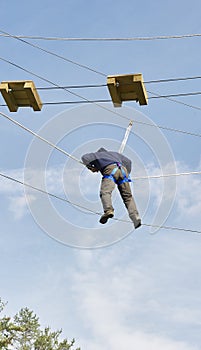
(108, 215)
(138, 224)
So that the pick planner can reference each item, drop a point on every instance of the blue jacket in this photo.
(102, 158)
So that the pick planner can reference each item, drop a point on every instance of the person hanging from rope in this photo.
(115, 168)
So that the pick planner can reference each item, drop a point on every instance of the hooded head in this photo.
(102, 150)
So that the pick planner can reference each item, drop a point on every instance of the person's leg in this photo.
(107, 187)
(129, 202)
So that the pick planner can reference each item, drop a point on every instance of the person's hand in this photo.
(92, 168)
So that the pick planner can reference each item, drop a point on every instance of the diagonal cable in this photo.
(92, 211)
(40, 137)
(53, 53)
(169, 98)
(99, 105)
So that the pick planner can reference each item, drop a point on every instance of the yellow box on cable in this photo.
(21, 93)
(127, 87)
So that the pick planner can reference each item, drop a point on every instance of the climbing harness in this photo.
(111, 176)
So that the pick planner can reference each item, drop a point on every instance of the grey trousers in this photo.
(107, 187)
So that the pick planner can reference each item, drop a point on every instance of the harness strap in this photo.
(111, 176)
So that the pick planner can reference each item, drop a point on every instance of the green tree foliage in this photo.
(30, 326)
(24, 333)
(48, 340)
(8, 329)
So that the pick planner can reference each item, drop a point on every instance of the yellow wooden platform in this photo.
(20, 93)
(127, 87)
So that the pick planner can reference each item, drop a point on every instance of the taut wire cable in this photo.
(103, 107)
(145, 38)
(79, 161)
(92, 211)
(100, 106)
(83, 66)
(80, 65)
(53, 54)
(168, 97)
(165, 175)
(40, 137)
(48, 193)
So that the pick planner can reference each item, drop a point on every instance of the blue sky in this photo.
(140, 289)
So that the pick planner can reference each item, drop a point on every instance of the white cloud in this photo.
(15, 191)
(135, 340)
(188, 196)
(18, 206)
(113, 300)
(185, 197)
